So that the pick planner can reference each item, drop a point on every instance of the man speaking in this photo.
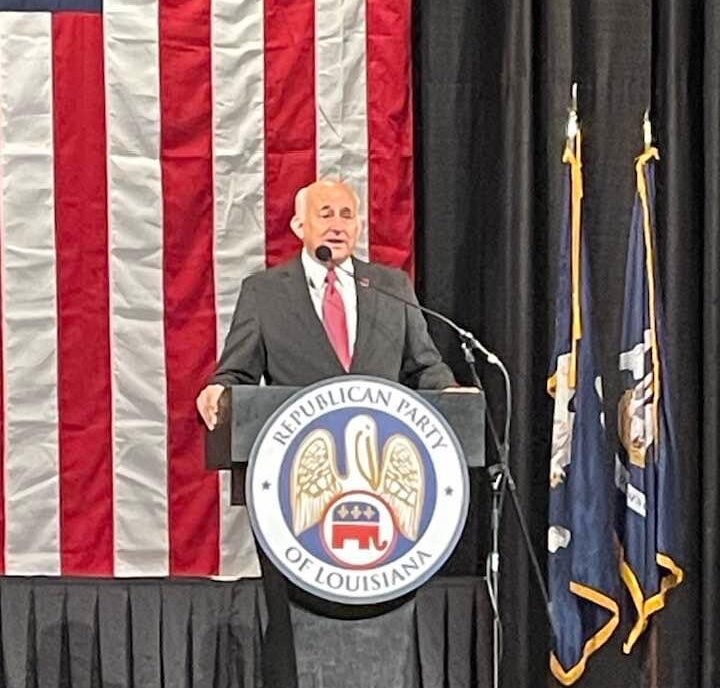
(306, 321)
(319, 316)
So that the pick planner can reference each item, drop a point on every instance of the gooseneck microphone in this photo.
(324, 255)
(469, 343)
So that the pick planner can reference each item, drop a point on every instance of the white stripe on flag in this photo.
(32, 497)
(341, 99)
(239, 169)
(136, 287)
(238, 556)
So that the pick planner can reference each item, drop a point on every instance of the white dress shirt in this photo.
(315, 273)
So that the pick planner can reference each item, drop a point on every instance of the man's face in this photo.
(331, 220)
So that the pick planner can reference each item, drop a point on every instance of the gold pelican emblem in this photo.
(398, 478)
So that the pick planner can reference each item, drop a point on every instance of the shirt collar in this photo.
(315, 271)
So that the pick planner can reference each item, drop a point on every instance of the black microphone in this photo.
(323, 254)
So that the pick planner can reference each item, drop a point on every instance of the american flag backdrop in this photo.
(149, 154)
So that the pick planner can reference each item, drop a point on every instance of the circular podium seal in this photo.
(357, 489)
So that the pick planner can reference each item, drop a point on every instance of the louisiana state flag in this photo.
(646, 469)
(582, 561)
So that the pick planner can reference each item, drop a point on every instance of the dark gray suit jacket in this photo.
(275, 332)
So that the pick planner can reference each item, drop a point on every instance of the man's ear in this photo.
(296, 224)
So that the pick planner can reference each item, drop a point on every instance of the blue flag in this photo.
(646, 468)
(582, 559)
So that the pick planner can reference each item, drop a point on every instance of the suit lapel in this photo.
(367, 308)
(301, 309)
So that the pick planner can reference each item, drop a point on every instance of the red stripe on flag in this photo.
(186, 142)
(84, 387)
(289, 117)
(390, 136)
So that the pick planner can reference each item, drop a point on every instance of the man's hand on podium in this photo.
(207, 404)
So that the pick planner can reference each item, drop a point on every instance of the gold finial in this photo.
(647, 130)
(572, 123)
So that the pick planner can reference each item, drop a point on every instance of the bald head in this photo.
(326, 214)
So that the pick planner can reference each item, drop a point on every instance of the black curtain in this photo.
(492, 90)
(88, 633)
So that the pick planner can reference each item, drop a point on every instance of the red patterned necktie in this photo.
(334, 320)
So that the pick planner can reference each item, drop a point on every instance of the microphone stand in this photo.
(497, 486)
(501, 479)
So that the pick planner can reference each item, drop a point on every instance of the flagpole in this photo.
(651, 665)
